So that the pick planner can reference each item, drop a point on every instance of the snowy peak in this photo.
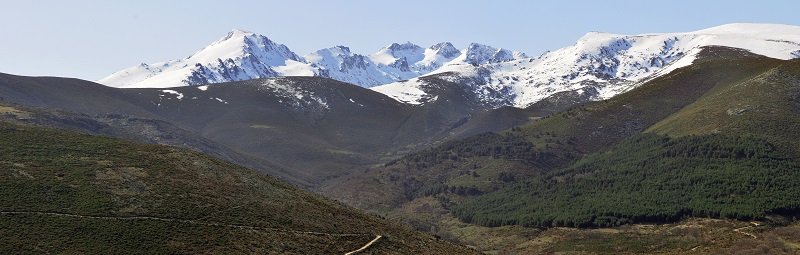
(519, 55)
(236, 32)
(445, 49)
(336, 53)
(239, 55)
(478, 54)
(240, 44)
(337, 58)
(396, 61)
(398, 55)
(341, 64)
(405, 49)
(438, 55)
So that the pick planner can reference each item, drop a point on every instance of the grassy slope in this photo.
(766, 106)
(46, 170)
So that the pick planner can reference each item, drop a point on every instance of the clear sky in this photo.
(91, 39)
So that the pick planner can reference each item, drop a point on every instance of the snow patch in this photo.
(221, 100)
(296, 68)
(406, 92)
(290, 93)
(179, 95)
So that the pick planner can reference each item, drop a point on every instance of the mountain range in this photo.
(598, 65)
(243, 55)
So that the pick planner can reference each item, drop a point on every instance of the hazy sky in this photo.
(91, 39)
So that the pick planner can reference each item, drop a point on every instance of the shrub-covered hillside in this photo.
(63, 192)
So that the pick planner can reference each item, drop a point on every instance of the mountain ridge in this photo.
(606, 63)
(287, 119)
(598, 65)
(243, 55)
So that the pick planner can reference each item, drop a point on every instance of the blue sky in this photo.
(91, 39)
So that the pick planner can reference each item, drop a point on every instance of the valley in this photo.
(671, 143)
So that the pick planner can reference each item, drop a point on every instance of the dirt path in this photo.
(195, 222)
(739, 230)
(365, 246)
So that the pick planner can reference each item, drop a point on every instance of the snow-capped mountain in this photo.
(392, 63)
(240, 55)
(598, 65)
(602, 64)
(341, 64)
(243, 55)
(409, 57)
(438, 55)
(478, 54)
(398, 55)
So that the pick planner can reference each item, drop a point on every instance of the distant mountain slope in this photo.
(312, 128)
(243, 55)
(67, 192)
(132, 128)
(601, 65)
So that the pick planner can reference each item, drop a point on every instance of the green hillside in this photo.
(63, 192)
(767, 105)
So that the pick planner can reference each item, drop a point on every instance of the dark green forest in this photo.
(651, 178)
(509, 146)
